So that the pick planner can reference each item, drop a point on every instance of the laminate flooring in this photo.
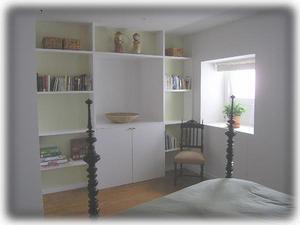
(113, 200)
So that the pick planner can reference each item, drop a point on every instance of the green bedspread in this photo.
(222, 197)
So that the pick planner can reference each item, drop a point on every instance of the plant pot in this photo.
(237, 121)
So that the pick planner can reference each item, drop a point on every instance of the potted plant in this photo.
(238, 110)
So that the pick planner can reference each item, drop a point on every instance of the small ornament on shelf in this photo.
(136, 43)
(118, 42)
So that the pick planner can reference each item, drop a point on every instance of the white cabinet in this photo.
(114, 145)
(148, 152)
(130, 153)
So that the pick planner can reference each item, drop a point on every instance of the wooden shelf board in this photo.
(171, 122)
(178, 58)
(46, 50)
(63, 92)
(71, 163)
(172, 149)
(178, 90)
(127, 55)
(61, 132)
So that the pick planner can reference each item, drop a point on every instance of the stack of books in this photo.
(51, 156)
(171, 142)
(81, 82)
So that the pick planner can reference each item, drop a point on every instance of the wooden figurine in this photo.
(118, 42)
(136, 43)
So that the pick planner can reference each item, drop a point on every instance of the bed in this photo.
(222, 197)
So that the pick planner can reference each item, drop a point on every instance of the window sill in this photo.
(242, 129)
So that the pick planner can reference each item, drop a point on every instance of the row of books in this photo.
(171, 142)
(51, 156)
(178, 82)
(81, 82)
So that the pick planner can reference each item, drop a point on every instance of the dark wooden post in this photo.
(230, 134)
(91, 159)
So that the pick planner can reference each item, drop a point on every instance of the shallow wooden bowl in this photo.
(122, 117)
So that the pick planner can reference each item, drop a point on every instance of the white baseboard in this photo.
(63, 188)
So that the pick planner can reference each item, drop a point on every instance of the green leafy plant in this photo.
(238, 109)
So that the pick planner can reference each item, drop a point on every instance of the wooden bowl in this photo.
(122, 117)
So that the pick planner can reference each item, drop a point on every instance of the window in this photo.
(222, 78)
(240, 83)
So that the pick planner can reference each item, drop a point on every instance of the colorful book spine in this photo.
(82, 82)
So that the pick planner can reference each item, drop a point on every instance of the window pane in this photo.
(242, 83)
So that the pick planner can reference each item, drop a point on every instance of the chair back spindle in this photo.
(190, 135)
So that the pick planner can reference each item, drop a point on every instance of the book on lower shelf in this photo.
(49, 83)
(171, 142)
(79, 148)
(51, 156)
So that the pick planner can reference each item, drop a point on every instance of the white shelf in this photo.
(178, 90)
(178, 58)
(71, 163)
(171, 122)
(61, 132)
(46, 50)
(112, 55)
(172, 149)
(63, 92)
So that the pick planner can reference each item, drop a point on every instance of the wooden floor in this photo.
(112, 200)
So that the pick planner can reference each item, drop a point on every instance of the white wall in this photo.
(266, 156)
(212, 94)
(23, 171)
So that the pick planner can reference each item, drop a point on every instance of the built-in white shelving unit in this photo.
(62, 114)
(122, 82)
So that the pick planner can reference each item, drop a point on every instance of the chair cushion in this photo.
(189, 157)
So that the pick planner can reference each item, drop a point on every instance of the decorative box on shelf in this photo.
(174, 52)
(52, 42)
(72, 44)
(61, 43)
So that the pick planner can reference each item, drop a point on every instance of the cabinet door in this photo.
(148, 152)
(115, 149)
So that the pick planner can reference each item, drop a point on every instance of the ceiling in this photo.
(181, 21)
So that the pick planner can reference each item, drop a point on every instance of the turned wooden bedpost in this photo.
(230, 134)
(91, 159)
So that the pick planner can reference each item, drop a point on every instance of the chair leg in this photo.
(180, 169)
(175, 173)
(202, 172)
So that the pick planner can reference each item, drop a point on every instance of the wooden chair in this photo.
(191, 147)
